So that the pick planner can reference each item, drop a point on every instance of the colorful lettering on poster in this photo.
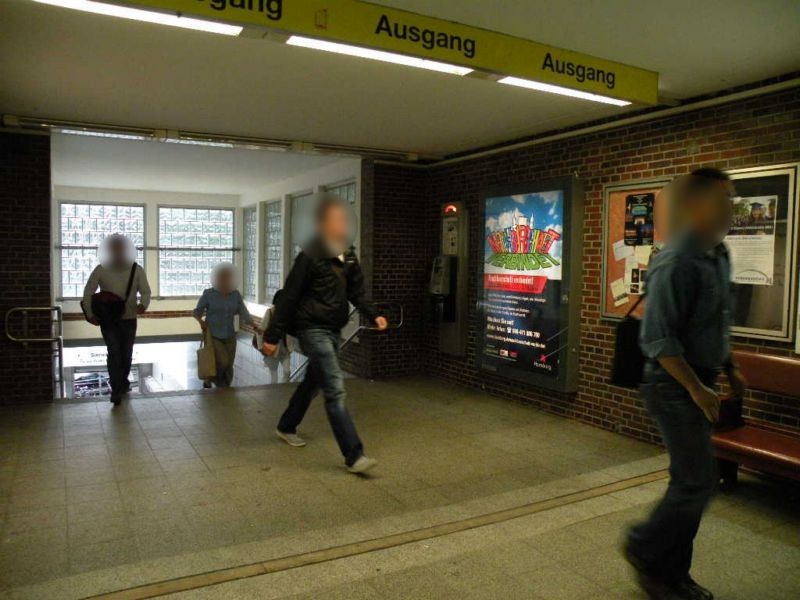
(522, 248)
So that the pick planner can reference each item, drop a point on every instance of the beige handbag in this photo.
(206, 362)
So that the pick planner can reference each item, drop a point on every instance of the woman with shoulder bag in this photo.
(219, 304)
(124, 294)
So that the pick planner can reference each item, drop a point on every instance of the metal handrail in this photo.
(57, 339)
(359, 330)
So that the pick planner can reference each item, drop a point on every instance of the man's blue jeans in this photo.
(323, 372)
(665, 541)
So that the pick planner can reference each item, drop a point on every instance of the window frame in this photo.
(60, 297)
(330, 187)
(245, 251)
(160, 248)
(267, 297)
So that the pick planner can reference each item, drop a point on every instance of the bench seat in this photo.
(759, 445)
(760, 449)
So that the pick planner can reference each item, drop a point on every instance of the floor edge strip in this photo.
(210, 578)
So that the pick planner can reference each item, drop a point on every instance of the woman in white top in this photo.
(117, 257)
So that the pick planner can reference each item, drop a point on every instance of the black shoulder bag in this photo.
(107, 307)
(628, 365)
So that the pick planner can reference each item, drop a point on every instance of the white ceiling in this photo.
(59, 63)
(157, 166)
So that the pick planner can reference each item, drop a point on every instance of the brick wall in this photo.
(25, 263)
(759, 131)
(392, 250)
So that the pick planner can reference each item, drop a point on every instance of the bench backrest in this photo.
(771, 374)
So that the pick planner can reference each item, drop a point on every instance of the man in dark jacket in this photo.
(314, 307)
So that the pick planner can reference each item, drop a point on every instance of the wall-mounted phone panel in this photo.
(448, 285)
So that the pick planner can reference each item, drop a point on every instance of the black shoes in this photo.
(691, 590)
(657, 589)
(116, 399)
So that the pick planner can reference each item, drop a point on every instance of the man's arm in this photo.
(89, 289)
(144, 290)
(703, 396)
(670, 295)
(293, 290)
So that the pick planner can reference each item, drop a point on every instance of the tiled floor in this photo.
(172, 366)
(94, 499)
(748, 549)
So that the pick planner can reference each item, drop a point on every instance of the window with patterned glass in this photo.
(82, 228)
(344, 191)
(296, 202)
(250, 252)
(273, 249)
(191, 242)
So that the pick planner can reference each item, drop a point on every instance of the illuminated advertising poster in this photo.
(521, 321)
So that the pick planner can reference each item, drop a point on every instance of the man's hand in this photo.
(708, 401)
(269, 349)
(737, 382)
(203, 324)
(381, 323)
(140, 309)
(94, 321)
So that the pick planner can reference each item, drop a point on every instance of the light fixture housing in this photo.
(380, 55)
(148, 16)
(557, 89)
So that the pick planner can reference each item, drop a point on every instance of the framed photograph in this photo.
(529, 284)
(763, 247)
(633, 222)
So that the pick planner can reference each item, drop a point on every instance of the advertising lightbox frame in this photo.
(566, 380)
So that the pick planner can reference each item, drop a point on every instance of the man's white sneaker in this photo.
(362, 465)
(291, 438)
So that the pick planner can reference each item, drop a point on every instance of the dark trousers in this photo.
(664, 542)
(323, 372)
(119, 337)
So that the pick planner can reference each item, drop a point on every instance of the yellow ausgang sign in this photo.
(373, 26)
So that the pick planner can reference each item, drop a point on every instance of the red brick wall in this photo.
(25, 371)
(759, 131)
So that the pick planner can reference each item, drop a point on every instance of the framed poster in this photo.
(763, 247)
(528, 327)
(634, 215)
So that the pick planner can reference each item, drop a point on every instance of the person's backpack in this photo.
(628, 364)
(108, 308)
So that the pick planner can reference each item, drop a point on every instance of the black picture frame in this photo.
(569, 297)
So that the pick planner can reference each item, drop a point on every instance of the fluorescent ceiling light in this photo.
(104, 134)
(199, 143)
(390, 57)
(112, 10)
(557, 89)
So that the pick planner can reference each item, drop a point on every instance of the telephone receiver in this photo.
(442, 288)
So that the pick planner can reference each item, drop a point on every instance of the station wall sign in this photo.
(372, 26)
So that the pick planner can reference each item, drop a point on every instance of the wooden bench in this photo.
(755, 444)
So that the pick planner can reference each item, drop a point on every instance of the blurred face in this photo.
(224, 281)
(118, 251)
(334, 226)
(711, 211)
(757, 213)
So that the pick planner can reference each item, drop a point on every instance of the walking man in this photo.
(125, 283)
(685, 337)
(314, 307)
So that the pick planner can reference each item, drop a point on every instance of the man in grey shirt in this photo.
(117, 259)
